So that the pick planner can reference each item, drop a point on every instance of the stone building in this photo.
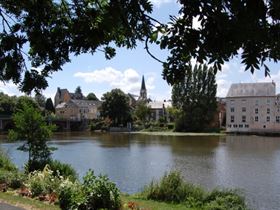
(78, 110)
(253, 107)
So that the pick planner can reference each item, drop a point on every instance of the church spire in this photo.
(143, 90)
(143, 86)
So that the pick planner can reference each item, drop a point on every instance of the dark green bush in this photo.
(63, 169)
(170, 126)
(224, 199)
(172, 188)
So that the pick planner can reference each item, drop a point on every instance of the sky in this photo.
(93, 73)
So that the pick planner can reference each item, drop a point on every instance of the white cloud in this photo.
(158, 3)
(9, 88)
(222, 87)
(128, 80)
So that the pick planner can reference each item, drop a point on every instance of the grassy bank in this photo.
(171, 133)
(24, 202)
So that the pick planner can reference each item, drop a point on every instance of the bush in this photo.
(100, 192)
(13, 179)
(72, 196)
(226, 199)
(43, 182)
(63, 169)
(6, 163)
(94, 193)
(172, 188)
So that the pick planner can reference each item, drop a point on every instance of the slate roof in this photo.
(159, 104)
(252, 89)
(78, 103)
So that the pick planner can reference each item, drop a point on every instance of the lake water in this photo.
(249, 163)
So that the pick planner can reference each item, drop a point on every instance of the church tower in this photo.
(143, 91)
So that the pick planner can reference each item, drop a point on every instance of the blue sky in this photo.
(96, 74)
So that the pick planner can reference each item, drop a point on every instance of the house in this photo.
(253, 107)
(63, 95)
(158, 109)
(78, 110)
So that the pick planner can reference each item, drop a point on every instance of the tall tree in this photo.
(40, 99)
(142, 112)
(92, 97)
(26, 100)
(49, 106)
(31, 127)
(195, 96)
(115, 106)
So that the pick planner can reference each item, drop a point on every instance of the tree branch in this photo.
(148, 51)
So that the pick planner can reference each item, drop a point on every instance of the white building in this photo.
(253, 107)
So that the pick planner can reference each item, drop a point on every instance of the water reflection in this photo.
(250, 163)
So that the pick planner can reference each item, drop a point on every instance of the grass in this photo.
(150, 205)
(24, 202)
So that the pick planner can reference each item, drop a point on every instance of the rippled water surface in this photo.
(250, 163)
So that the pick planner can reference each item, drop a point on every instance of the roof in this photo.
(252, 89)
(159, 104)
(86, 102)
(78, 103)
(66, 104)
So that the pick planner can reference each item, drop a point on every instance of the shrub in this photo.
(170, 126)
(12, 179)
(100, 192)
(63, 169)
(94, 193)
(71, 196)
(172, 188)
(43, 182)
(224, 199)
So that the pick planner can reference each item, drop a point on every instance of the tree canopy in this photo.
(115, 106)
(195, 97)
(51, 30)
(226, 26)
(92, 97)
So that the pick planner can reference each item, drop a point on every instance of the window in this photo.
(229, 125)
(278, 119)
(268, 119)
(268, 111)
(246, 126)
(243, 109)
(235, 126)
(243, 118)
(256, 111)
(268, 101)
(232, 118)
(231, 102)
(240, 126)
(257, 102)
(256, 119)
(231, 109)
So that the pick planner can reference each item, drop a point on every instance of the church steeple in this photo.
(143, 90)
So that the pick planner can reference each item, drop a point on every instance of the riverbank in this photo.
(171, 133)
(128, 202)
